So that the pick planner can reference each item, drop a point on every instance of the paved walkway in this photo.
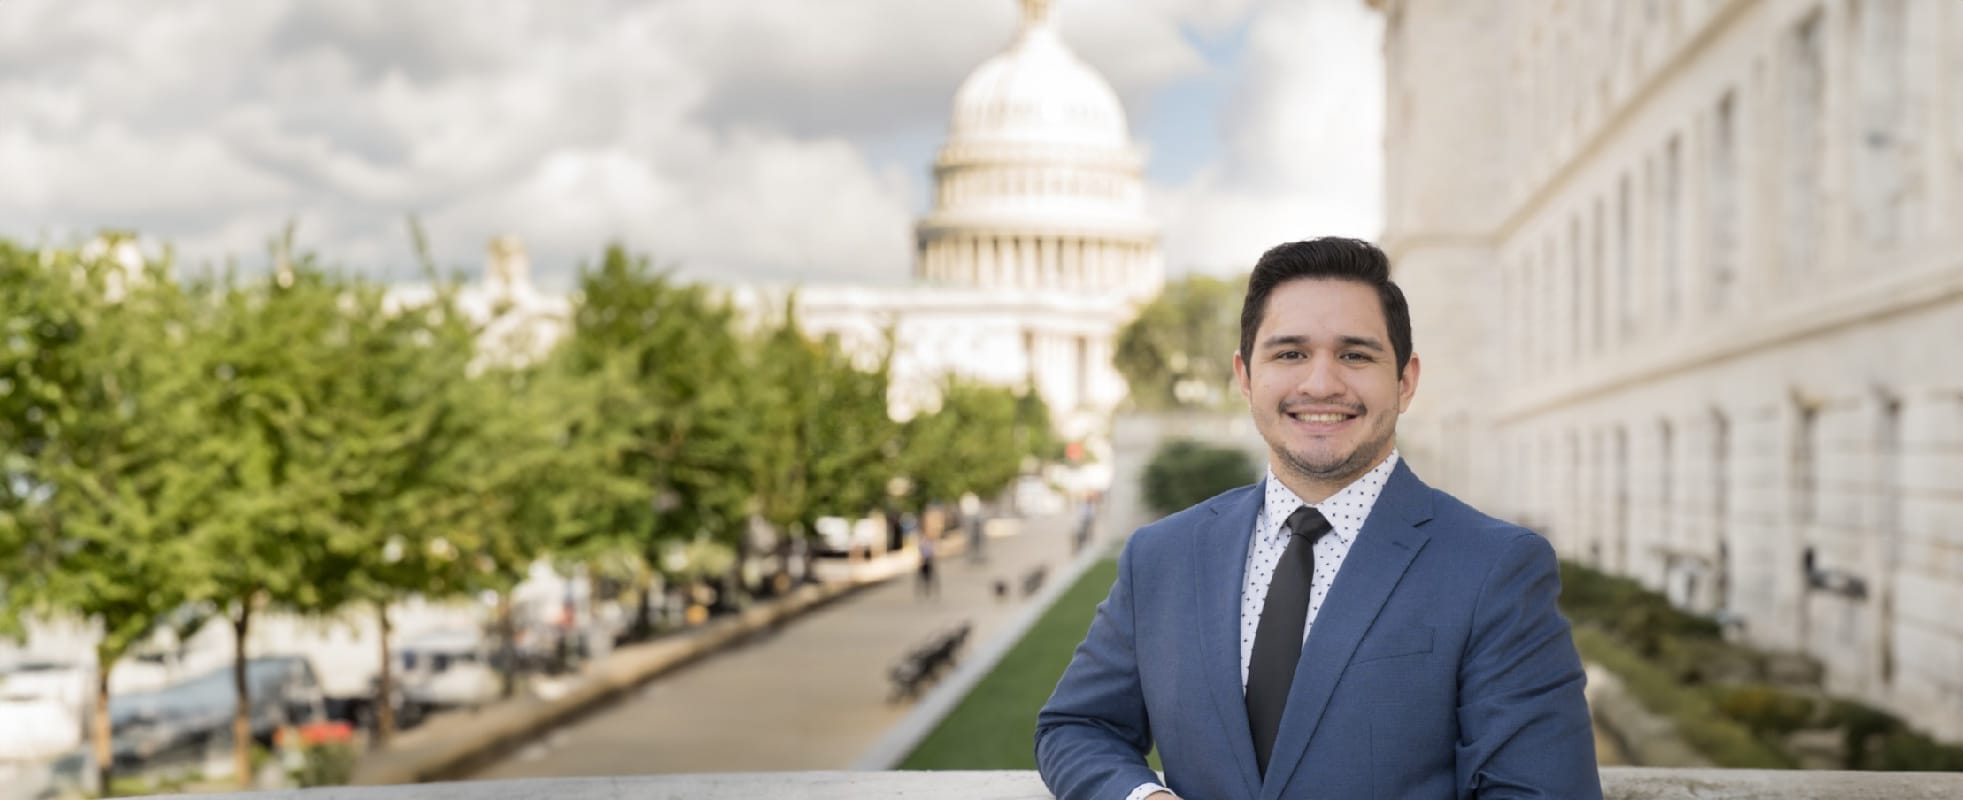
(812, 696)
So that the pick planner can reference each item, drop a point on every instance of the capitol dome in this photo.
(1039, 187)
(1037, 92)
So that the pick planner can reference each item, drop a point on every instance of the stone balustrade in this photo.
(1619, 783)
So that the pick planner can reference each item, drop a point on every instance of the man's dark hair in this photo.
(1334, 258)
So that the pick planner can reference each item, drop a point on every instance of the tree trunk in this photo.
(105, 752)
(385, 687)
(242, 713)
(507, 641)
(785, 549)
(644, 614)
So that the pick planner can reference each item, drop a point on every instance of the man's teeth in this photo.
(1320, 417)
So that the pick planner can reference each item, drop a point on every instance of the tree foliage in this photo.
(302, 441)
(98, 503)
(968, 444)
(1178, 352)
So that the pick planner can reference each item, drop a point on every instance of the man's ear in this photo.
(1407, 384)
(1241, 378)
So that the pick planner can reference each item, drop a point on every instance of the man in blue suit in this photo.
(1339, 630)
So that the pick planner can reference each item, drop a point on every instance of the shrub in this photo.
(1723, 741)
(1183, 472)
(1911, 751)
(1641, 618)
(319, 754)
(1768, 711)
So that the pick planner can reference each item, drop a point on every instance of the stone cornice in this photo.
(1582, 156)
(1833, 308)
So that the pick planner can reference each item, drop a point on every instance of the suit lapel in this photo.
(1220, 559)
(1383, 550)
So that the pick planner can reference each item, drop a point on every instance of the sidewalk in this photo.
(813, 695)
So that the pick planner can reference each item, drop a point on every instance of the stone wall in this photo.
(1684, 274)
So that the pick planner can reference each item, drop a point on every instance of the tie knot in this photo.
(1307, 523)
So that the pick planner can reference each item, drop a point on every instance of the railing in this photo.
(1619, 783)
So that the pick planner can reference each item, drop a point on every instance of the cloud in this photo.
(1301, 152)
(739, 140)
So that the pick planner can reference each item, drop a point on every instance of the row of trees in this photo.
(177, 452)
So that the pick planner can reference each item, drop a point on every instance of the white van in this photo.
(447, 669)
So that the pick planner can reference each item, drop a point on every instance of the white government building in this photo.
(1037, 249)
(1688, 281)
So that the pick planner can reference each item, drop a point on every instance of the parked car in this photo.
(183, 720)
(447, 669)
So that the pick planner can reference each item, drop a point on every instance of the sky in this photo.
(771, 141)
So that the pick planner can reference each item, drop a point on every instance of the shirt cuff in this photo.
(1145, 790)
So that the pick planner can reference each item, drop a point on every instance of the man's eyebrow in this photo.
(1298, 340)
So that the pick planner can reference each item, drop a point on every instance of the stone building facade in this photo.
(1688, 283)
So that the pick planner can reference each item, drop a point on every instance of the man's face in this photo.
(1323, 385)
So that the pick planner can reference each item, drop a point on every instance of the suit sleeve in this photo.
(1092, 736)
(1524, 730)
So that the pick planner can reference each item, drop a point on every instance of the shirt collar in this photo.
(1361, 493)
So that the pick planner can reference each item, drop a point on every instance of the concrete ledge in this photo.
(455, 744)
(1646, 738)
(1619, 783)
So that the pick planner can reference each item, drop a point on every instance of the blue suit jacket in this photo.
(1438, 666)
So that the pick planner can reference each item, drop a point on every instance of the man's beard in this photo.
(1356, 463)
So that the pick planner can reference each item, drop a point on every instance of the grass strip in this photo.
(994, 727)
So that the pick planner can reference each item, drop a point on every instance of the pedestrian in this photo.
(927, 586)
(971, 519)
(1086, 520)
(1339, 629)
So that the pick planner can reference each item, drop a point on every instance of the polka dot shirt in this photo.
(1346, 510)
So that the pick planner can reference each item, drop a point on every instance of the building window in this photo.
(1669, 230)
(1598, 278)
(1665, 496)
(1881, 146)
(1619, 543)
(1722, 193)
(1625, 307)
(1800, 159)
(1721, 503)
(1806, 478)
(1573, 309)
(1888, 458)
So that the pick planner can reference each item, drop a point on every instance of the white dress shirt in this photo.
(1346, 511)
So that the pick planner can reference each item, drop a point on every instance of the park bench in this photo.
(924, 663)
(1034, 580)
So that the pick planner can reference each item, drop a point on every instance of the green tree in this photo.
(967, 445)
(825, 436)
(277, 533)
(409, 425)
(96, 500)
(668, 366)
(1178, 352)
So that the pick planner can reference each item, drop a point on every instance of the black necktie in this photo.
(1278, 639)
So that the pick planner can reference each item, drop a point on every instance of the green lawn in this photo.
(994, 727)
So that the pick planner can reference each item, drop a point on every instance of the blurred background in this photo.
(440, 390)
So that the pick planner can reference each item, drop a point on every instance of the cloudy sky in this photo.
(772, 140)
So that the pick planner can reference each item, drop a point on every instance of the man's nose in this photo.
(1323, 379)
